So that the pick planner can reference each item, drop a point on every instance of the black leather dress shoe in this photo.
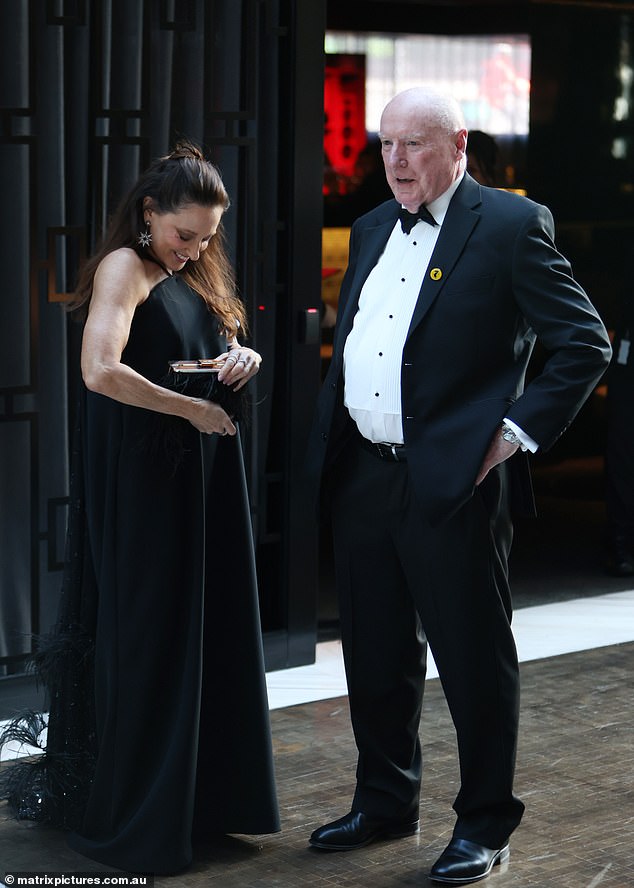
(356, 830)
(463, 861)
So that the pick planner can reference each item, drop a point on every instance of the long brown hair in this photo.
(172, 182)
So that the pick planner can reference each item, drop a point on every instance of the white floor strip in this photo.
(579, 625)
(546, 630)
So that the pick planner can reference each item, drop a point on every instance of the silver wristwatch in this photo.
(509, 435)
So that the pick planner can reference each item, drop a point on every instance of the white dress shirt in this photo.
(374, 347)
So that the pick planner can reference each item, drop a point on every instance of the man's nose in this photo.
(397, 155)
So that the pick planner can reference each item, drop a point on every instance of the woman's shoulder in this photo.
(124, 269)
(123, 260)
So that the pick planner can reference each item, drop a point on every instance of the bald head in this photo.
(423, 139)
(435, 109)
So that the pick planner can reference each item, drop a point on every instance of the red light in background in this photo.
(344, 105)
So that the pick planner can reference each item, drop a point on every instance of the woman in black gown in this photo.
(158, 730)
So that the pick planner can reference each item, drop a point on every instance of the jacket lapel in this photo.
(462, 217)
(460, 221)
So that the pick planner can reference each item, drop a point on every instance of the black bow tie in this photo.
(408, 220)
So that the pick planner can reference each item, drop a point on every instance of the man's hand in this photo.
(498, 451)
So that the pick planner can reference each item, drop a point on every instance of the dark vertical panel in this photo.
(286, 282)
(51, 270)
(581, 146)
(122, 117)
(17, 125)
(90, 90)
(161, 78)
(189, 86)
(33, 380)
(17, 582)
(15, 565)
(305, 72)
(574, 112)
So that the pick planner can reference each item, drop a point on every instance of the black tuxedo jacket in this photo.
(495, 283)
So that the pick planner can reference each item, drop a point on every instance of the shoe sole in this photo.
(501, 857)
(410, 830)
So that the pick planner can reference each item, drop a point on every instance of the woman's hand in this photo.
(240, 365)
(209, 418)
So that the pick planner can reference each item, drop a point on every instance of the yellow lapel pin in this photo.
(435, 274)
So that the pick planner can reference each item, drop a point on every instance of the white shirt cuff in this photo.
(521, 434)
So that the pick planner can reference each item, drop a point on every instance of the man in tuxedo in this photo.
(418, 440)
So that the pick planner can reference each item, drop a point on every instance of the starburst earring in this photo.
(145, 237)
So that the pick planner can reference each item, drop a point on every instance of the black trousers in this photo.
(403, 584)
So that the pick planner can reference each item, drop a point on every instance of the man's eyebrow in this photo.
(401, 138)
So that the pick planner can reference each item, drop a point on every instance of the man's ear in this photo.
(461, 143)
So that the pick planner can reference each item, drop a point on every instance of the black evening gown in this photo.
(162, 542)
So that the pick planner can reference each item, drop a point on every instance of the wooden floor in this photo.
(575, 763)
(575, 774)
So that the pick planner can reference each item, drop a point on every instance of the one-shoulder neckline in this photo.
(168, 280)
